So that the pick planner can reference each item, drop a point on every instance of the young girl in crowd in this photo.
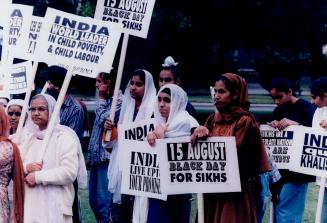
(11, 168)
(318, 90)
(172, 121)
(170, 74)
(137, 105)
(235, 119)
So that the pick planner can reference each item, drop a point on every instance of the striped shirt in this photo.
(72, 115)
(96, 152)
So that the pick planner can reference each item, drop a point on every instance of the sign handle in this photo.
(200, 208)
(118, 81)
(45, 87)
(271, 213)
(55, 114)
(320, 199)
(27, 99)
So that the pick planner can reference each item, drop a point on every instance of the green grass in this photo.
(309, 214)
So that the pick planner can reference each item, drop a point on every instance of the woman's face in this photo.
(319, 101)
(137, 88)
(166, 77)
(164, 104)
(223, 97)
(14, 113)
(40, 113)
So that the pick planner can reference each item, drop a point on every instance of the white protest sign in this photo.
(29, 39)
(279, 143)
(310, 157)
(4, 23)
(134, 131)
(134, 15)
(19, 77)
(209, 166)
(19, 20)
(140, 170)
(88, 45)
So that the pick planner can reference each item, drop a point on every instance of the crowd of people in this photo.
(46, 173)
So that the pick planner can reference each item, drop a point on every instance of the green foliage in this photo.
(87, 9)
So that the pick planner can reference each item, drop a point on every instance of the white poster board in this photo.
(4, 23)
(29, 39)
(87, 44)
(209, 166)
(19, 77)
(136, 130)
(134, 15)
(279, 144)
(311, 155)
(140, 173)
(19, 20)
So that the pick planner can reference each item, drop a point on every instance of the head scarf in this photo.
(179, 120)
(240, 105)
(18, 172)
(146, 108)
(18, 102)
(33, 128)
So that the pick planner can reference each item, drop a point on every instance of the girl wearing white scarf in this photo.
(173, 121)
(49, 191)
(139, 98)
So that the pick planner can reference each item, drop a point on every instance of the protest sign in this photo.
(279, 143)
(19, 21)
(140, 172)
(310, 157)
(29, 39)
(4, 20)
(88, 45)
(19, 77)
(209, 166)
(134, 131)
(134, 15)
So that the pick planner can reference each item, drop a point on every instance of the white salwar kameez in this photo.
(51, 199)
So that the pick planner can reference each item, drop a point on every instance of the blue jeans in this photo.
(324, 208)
(291, 203)
(264, 197)
(99, 196)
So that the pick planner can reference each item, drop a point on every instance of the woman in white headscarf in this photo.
(139, 98)
(173, 121)
(14, 110)
(49, 191)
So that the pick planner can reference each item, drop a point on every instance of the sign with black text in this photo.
(135, 16)
(311, 155)
(209, 166)
(140, 170)
(86, 44)
(279, 143)
(29, 39)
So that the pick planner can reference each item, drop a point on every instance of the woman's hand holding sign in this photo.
(200, 132)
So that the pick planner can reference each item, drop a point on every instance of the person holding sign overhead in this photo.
(290, 110)
(172, 121)
(318, 90)
(234, 119)
(137, 105)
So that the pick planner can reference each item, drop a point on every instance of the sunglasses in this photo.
(165, 79)
(14, 113)
(39, 109)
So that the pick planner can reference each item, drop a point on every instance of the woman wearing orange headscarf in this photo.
(234, 119)
(10, 168)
